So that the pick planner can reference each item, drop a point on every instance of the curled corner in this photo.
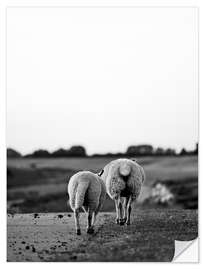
(186, 251)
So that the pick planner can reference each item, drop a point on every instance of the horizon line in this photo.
(99, 153)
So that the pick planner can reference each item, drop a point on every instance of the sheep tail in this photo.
(124, 169)
(80, 194)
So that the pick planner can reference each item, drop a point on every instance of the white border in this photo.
(62, 3)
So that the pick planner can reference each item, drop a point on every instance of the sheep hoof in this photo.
(127, 223)
(78, 232)
(90, 230)
(121, 222)
(117, 221)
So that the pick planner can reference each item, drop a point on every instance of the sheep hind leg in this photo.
(121, 220)
(77, 223)
(129, 208)
(94, 215)
(117, 211)
(90, 228)
(125, 203)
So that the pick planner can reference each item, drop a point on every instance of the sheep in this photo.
(88, 191)
(123, 179)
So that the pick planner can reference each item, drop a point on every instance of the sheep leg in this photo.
(119, 207)
(94, 215)
(90, 228)
(77, 223)
(121, 220)
(117, 211)
(129, 208)
(125, 203)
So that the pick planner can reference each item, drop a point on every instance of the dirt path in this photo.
(51, 237)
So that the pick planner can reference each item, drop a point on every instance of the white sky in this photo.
(105, 78)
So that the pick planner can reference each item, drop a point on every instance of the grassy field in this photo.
(39, 185)
(155, 167)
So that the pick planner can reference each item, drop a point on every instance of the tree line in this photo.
(80, 151)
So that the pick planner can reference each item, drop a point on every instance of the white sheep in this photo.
(88, 191)
(123, 179)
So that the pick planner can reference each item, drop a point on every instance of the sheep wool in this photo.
(123, 179)
(118, 183)
(86, 190)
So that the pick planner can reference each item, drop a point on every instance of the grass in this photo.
(41, 184)
(155, 167)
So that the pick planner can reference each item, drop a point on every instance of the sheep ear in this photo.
(100, 173)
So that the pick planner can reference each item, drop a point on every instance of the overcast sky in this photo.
(105, 78)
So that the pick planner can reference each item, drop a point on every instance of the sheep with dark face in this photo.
(86, 190)
(123, 179)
